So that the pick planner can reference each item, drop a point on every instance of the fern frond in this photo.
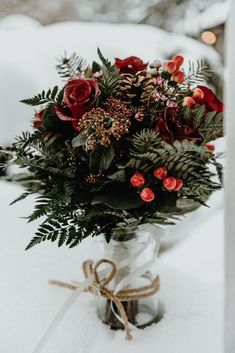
(43, 97)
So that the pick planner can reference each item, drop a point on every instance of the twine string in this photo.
(100, 285)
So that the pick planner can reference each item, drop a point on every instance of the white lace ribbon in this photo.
(156, 233)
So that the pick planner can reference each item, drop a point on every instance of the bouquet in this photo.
(119, 145)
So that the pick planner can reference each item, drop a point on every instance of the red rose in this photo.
(132, 64)
(172, 126)
(39, 118)
(210, 100)
(80, 95)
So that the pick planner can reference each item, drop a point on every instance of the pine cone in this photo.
(135, 88)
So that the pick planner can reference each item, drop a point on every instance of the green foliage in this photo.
(85, 191)
(210, 126)
(198, 73)
(50, 96)
(110, 78)
(69, 67)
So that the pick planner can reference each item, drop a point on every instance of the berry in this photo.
(169, 66)
(169, 183)
(160, 173)
(137, 180)
(178, 60)
(198, 94)
(147, 195)
(178, 77)
(179, 184)
(139, 116)
(188, 102)
(210, 147)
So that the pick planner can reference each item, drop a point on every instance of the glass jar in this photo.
(134, 254)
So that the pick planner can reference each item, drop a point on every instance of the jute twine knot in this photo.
(99, 285)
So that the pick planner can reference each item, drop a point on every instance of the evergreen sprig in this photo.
(198, 72)
(110, 78)
(69, 67)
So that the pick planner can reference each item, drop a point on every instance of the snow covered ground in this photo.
(192, 267)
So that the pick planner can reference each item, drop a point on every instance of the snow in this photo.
(192, 322)
(215, 15)
(16, 22)
(28, 58)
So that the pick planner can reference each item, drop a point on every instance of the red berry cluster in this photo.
(169, 182)
(173, 68)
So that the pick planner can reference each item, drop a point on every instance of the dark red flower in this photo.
(173, 126)
(39, 118)
(132, 64)
(210, 100)
(80, 95)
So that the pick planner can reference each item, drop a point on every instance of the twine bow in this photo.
(97, 280)
(99, 285)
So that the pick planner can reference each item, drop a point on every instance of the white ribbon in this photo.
(102, 274)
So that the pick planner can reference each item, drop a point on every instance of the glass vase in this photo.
(134, 254)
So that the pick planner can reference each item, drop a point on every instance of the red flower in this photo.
(137, 180)
(147, 195)
(160, 173)
(80, 95)
(169, 183)
(210, 100)
(132, 64)
(39, 118)
(172, 126)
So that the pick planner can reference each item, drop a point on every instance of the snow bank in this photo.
(215, 15)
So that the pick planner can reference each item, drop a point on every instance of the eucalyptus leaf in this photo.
(101, 158)
(118, 176)
(106, 158)
(79, 140)
(185, 203)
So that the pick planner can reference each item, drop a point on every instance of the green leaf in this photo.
(100, 159)
(95, 67)
(106, 159)
(79, 140)
(118, 201)
(117, 176)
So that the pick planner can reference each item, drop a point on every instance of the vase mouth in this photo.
(140, 231)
